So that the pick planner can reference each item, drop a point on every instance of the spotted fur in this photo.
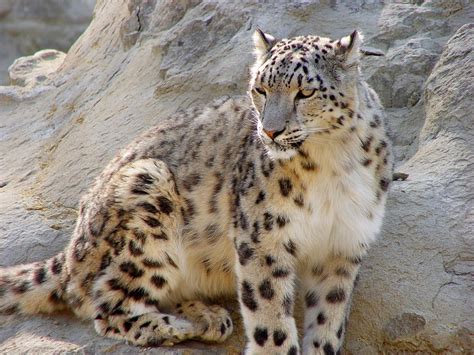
(245, 196)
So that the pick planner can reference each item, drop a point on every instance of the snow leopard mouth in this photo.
(279, 151)
(284, 146)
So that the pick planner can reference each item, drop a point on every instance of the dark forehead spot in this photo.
(300, 79)
(293, 45)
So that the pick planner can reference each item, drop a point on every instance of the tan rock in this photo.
(37, 69)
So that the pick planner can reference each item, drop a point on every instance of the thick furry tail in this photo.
(33, 288)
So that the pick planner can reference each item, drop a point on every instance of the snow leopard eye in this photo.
(260, 91)
(304, 94)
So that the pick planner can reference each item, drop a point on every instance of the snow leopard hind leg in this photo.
(137, 262)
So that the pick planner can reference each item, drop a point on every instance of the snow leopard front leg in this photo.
(327, 288)
(265, 271)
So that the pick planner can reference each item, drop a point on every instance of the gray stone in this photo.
(37, 69)
(406, 325)
(451, 81)
(142, 60)
(27, 26)
(405, 70)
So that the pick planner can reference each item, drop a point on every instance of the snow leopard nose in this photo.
(273, 134)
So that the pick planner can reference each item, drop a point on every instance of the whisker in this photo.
(315, 130)
(299, 136)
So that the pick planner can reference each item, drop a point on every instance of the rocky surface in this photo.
(141, 60)
(27, 26)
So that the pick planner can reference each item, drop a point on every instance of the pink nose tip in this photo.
(269, 133)
(273, 134)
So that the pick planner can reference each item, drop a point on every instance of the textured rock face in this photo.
(141, 60)
(26, 26)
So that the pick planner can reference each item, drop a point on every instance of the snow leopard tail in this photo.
(33, 288)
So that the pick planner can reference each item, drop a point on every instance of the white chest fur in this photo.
(341, 213)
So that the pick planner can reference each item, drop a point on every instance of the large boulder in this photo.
(142, 60)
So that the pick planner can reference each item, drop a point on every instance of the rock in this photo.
(27, 26)
(412, 36)
(406, 68)
(36, 69)
(142, 60)
(405, 326)
(451, 82)
(30, 76)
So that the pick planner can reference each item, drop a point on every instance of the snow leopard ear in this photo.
(348, 48)
(263, 42)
